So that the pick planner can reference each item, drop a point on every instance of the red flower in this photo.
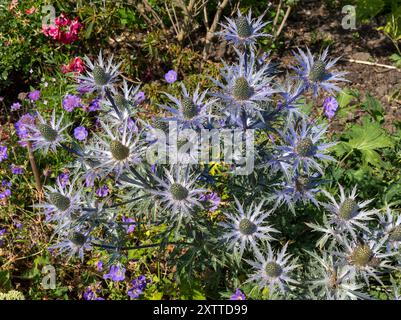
(31, 10)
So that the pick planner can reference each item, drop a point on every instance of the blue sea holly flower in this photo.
(333, 280)
(191, 111)
(365, 258)
(391, 224)
(243, 30)
(62, 202)
(273, 270)
(126, 105)
(315, 72)
(348, 215)
(47, 135)
(243, 87)
(117, 151)
(100, 75)
(299, 188)
(177, 192)
(302, 148)
(243, 229)
(76, 243)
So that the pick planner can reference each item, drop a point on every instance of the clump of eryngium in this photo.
(290, 154)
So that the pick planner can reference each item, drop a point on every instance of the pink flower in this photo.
(62, 21)
(75, 26)
(31, 10)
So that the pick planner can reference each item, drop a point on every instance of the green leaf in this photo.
(5, 282)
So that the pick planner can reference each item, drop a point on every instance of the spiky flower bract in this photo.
(244, 86)
(273, 270)
(348, 214)
(315, 71)
(243, 30)
(177, 192)
(333, 280)
(118, 151)
(100, 75)
(301, 146)
(245, 228)
(191, 111)
(391, 224)
(45, 135)
(75, 243)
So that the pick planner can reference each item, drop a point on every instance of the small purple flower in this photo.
(18, 225)
(16, 169)
(140, 97)
(103, 191)
(3, 153)
(330, 106)
(71, 102)
(6, 184)
(22, 127)
(238, 295)
(94, 105)
(99, 265)
(138, 286)
(116, 273)
(64, 179)
(171, 76)
(91, 294)
(5, 194)
(89, 180)
(213, 198)
(80, 133)
(15, 106)
(2, 232)
(130, 225)
(34, 95)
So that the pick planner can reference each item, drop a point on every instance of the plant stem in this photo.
(34, 167)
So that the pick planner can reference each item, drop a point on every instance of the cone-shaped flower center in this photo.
(395, 233)
(348, 209)
(120, 102)
(242, 90)
(78, 238)
(178, 191)
(318, 72)
(118, 150)
(362, 256)
(189, 109)
(100, 76)
(273, 269)
(247, 227)
(301, 183)
(61, 202)
(47, 132)
(305, 147)
(244, 29)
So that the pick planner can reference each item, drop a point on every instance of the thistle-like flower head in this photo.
(245, 228)
(243, 30)
(273, 270)
(315, 71)
(100, 75)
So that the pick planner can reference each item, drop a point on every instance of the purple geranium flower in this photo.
(138, 286)
(238, 295)
(330, 106)
(3, 153)
(130, 225)
(116, 273)
(15, 106)
(71, 102)
(80, 133)
(34, 95)
(213, 198)
(22, 127)
(64, 178)
(99, 265)
(94, 105)
(140, 97)
(171, 76)
(5, 194)
(103, 191)
(16, 169)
